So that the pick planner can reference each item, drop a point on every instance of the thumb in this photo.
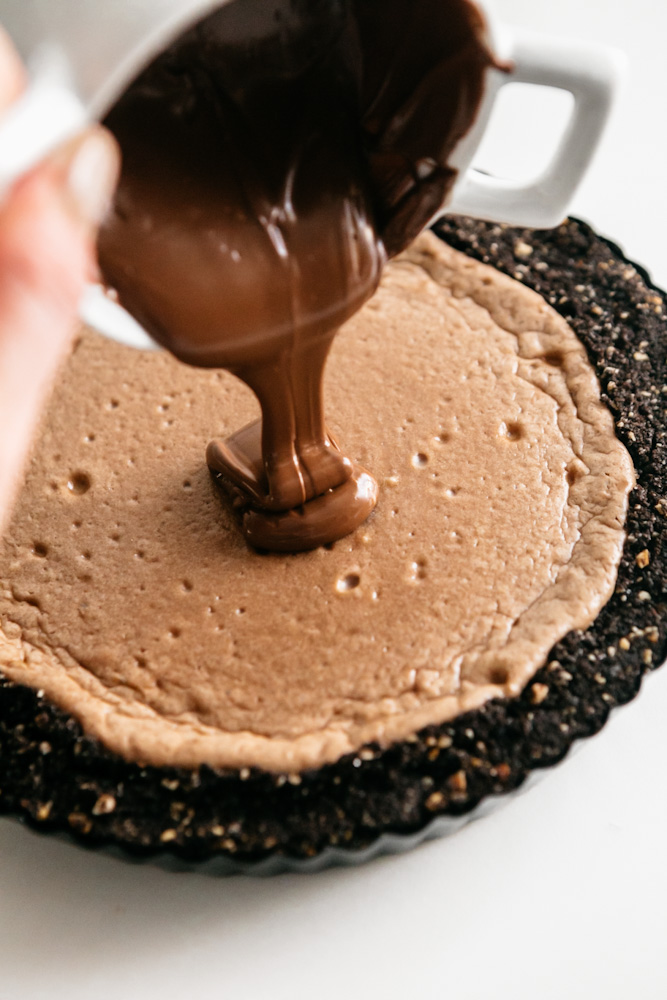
(48, 227)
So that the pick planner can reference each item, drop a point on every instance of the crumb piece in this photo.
(167, 836)
(458, 782)
(538, 693)
(176, 810)
(104, 805)
(43, 811)
(80, 822)
(522, 250)
(434, 801)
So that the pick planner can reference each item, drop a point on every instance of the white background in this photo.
(563, 893)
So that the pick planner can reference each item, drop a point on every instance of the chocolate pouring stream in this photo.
(274, 159)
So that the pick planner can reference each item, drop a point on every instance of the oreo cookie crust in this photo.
(58, 779)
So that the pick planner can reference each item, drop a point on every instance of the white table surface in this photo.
(561, 894)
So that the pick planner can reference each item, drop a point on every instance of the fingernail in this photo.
(90, 166)
(12, 74)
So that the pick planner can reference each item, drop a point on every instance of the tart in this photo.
(165, 688)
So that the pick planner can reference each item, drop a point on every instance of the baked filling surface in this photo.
(130, 599)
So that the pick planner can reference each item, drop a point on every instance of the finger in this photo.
(12, 73)
(47, 235)
(43, 260)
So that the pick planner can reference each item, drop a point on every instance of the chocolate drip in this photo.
(274, 158)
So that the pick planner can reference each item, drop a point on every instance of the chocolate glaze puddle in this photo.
(274, 159)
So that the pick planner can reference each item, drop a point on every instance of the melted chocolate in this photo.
(274, 158)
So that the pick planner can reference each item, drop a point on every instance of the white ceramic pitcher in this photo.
(82, 54)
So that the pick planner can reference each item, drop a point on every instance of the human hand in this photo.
(48, 227)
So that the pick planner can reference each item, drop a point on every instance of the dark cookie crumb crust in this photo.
(57, 779)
